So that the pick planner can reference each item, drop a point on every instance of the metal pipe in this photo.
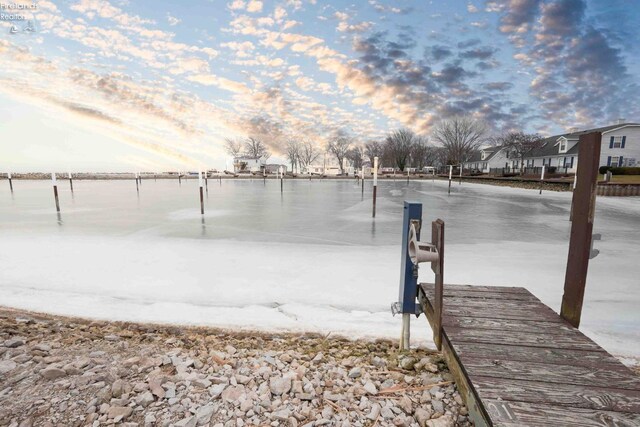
(406, 332)
(10, 181)
(375, 184)
(450, 176)
(55, 190)
(71, 182)
(201, 194)
(542, 178)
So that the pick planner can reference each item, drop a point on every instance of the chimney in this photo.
(620, 121)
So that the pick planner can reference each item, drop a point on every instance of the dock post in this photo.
(137, 183)
(362, 179)
(450, 176)
(71, 182)
(206, 182)
(10, 181)
(583, 211)
(407, 175)
(55, 190)
(437, 239)
(179, 179)
(375, 184)
(460, 177)
(408, 273)
(201, 193)
(542, 179)
(281, 178)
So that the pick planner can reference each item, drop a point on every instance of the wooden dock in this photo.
(518, 363)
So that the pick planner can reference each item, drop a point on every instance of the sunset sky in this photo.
(156, 85)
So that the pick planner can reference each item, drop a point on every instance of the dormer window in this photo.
(563, 146)
(483, 156)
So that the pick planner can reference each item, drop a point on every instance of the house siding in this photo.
(630, 153)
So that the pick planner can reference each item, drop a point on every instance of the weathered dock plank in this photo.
(517, 362)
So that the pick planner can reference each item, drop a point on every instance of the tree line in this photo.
(453, 142)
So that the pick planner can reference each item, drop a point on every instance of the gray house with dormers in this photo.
(620, 147)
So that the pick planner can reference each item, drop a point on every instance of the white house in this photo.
(620, 147)
(486, 159)
(328, 165)
(248, 164)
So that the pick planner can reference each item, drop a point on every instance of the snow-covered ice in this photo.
(311, 259)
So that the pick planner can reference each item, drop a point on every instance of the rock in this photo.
(422, 416)
(216, 390)
(187, 422)
(438, 406)
(233, 393)
(119, 412)
(375, 412)
(407, 363)
(370, 388)
(406, 405)
(355, 372)
(156, 388)
(204, 413)
(45, 348)
(443, 421)
(201, 382)
(145, 399)
(52, 373)
(14, 342)
(280, 385)
(6, 366)
(117, 388)
(112, 338)
(282, 415)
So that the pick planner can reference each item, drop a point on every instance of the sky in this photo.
(118, 85)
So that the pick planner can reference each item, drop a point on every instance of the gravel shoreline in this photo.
(60, 371)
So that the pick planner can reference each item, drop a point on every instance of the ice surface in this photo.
(311, 259)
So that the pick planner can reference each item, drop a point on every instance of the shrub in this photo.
(619, 170)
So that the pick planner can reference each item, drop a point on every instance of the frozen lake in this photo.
(312, 259)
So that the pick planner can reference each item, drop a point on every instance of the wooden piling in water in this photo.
(460, 178)
(71, 182)
(137, 187)
(201, 193)
(583, 211)
(55, 190)
(450, 176)
(281, 179)
(10, 181)
(206, 182)
(542, 178)
(375, 185)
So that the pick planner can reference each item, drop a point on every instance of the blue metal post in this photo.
(408, 281)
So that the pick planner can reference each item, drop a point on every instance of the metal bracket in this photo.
(396, 308)
(594, 252)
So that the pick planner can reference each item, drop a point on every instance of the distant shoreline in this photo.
(515, 182)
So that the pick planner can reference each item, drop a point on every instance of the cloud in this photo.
(580, 78)
(254, 6)
(172, 20)
(472, 8)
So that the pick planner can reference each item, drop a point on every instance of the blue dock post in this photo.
(408, 275)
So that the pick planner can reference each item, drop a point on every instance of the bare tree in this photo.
(373, 149)
(422, 154)
(293, 152)
(399, 144)
(233, 147)
(356, 156)
(339, 146)
(460, 137)
(308, 153)
(519, 144)
(254, 147)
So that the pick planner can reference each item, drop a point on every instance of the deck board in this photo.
(522, 364)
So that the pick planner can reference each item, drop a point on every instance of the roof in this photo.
(550, 147)
(476, 156)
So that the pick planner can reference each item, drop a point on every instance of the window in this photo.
(614, 161)
(617, 142)
(563, 146)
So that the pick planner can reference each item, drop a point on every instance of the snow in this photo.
(311, 259)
